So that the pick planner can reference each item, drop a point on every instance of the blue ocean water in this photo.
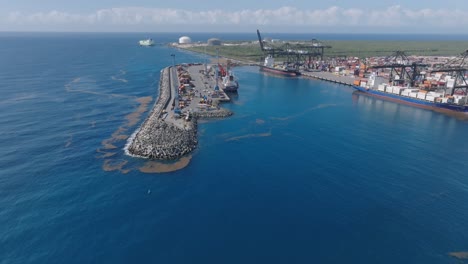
(304, 172)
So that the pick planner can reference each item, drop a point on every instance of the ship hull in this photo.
(289, 73)
(413, 101)
(230, 89)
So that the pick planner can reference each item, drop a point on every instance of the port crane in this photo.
(402, 70)
(298, 54)
(457, 68)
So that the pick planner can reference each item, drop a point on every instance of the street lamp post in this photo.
(216, 74)
(173, 60)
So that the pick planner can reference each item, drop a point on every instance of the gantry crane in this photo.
(300, 54)
(402, 70)
(457, 68)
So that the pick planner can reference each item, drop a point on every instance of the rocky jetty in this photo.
(159, 138)
(212, 114)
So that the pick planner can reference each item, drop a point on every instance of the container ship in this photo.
(269, 66)
(437, 99)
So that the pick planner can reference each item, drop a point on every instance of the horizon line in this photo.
(245, 32)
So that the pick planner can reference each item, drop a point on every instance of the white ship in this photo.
(146, 42)
(229, 83)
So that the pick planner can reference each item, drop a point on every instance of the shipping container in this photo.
(397, 90)
(429, 98)
(422, 95)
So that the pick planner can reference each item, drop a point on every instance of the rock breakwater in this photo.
(162, 140)
(165, 138)
(213, 114)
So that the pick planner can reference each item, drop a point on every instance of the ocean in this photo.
(304, 172)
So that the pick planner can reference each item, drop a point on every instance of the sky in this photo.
(288, 16)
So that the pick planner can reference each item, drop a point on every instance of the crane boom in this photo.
(260, 40)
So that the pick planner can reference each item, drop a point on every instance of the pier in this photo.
(186, 93)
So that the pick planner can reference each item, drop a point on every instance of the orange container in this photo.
(357, 82)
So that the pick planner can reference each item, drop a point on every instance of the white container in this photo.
(413, 94)
(444, 100)
(363, 84)
(450, 83)
(397, 90)
(406, 92)
(430, 98)
(422, 96)
(460, 100)
(381, 87)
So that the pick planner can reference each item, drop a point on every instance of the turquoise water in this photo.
(304, 172)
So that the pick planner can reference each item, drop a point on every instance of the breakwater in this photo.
(213, 114)
(165, 135)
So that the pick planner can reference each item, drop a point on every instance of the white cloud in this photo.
(141, 17)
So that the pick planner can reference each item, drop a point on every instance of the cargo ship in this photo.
(435, 100)
(269, 66)
(230, 84)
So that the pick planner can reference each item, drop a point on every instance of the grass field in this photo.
(355, 48)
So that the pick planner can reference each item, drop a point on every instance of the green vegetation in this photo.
(248, 53)
(359, 48)
(340, 48)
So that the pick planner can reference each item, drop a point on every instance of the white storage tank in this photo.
(214, 42)
(185, 40)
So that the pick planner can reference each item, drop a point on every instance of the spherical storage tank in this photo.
(185, 40)
(214, 42)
